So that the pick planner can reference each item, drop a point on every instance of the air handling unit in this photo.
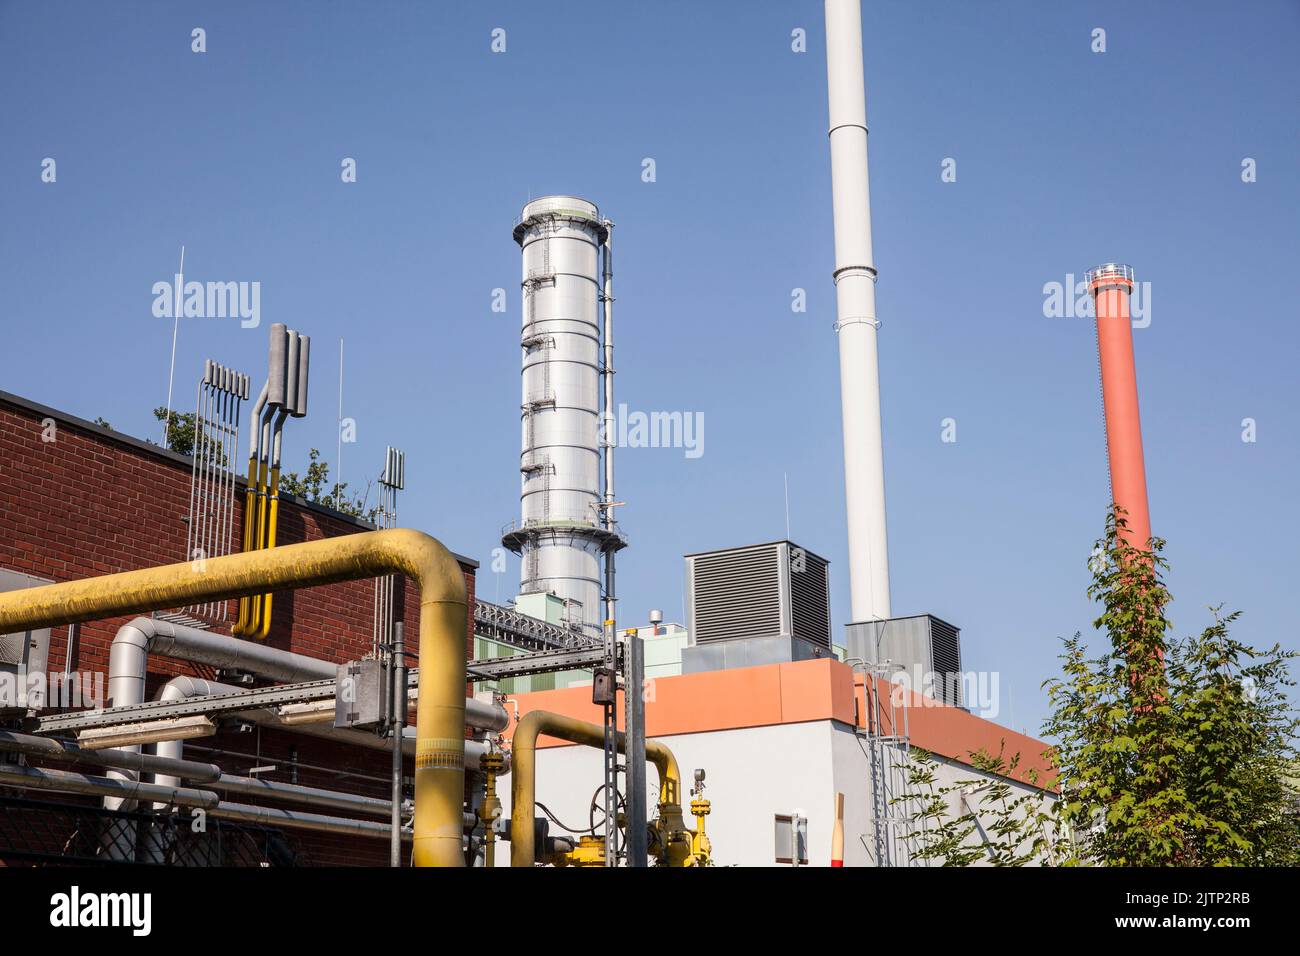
(762, 604)
(923, 649)
(566, 529)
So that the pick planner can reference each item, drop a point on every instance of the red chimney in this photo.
(1111, 285)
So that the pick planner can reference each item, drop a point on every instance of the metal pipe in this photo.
(292, 368)
(398, 699)
(250, 498)
(856, 322)
(609, 433)
(474, 749)
(180, 688)
(259, 521)
(136, 640)
(296, 819)
(304, 370)
(170, 751)
(272, 816)
(129, 791)
(67, 751)
(56, 780)
(1111, 285)
(277, 379)
(440, 749)
(523, 786)
(308, 796)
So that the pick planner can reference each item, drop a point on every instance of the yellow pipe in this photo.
(246, 544)
(255, 620)
(491, 764)
(272, 522)
(440, 717)
(523, 764)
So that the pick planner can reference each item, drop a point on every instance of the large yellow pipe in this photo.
(523, 780)
(246, 544)
(440, 718)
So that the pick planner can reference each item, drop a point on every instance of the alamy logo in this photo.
(24, 688)
(209, 300)
(636, 429)
(76, 909)
(1072, 300)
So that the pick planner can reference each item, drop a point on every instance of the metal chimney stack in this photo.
(1110, 286)
(566, 525)
(856, 323)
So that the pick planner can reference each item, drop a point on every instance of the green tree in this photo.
(183, 433)
(998, 823)
(1171, 752)
(180, 429)
(316, 487)
(1167, 752)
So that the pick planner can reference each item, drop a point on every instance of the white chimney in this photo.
(856, 323)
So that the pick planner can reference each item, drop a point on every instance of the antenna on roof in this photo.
(338, 455)
(786, 476)
(171, 374)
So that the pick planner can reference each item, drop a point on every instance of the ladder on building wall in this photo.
(888, 744)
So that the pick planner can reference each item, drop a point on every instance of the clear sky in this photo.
(1065, 159)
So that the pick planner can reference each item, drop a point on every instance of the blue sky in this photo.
(1065, 159)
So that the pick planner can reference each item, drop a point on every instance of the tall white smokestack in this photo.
(856, 323)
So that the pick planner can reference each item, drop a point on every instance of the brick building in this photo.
(78, 500)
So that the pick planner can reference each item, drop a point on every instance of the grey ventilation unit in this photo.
(926, 648)
(776, 590)
(23, 656)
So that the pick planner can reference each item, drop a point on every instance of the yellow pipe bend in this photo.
(440, 720)
(523, 772)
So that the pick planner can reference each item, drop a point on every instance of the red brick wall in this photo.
(88, 503)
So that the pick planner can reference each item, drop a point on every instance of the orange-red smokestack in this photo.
(1111, 285)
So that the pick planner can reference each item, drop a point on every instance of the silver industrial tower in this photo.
(567, 528)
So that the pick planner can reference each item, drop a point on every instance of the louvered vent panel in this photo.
(736, 594)
(945, 652)
(810, 599)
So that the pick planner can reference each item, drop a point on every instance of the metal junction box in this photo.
(361, 699)
(24, 658)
